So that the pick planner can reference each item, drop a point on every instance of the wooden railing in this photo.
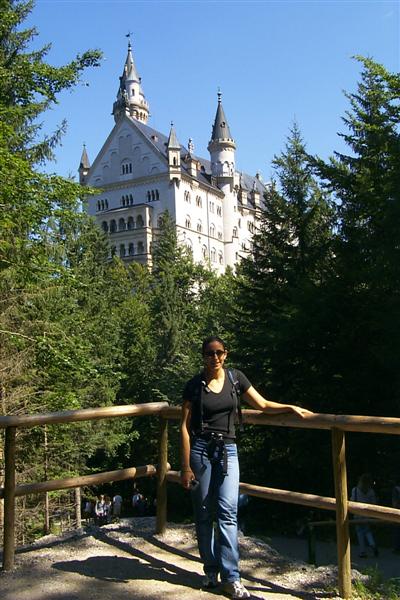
(337, 424)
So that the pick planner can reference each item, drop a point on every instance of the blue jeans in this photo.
(215, 499)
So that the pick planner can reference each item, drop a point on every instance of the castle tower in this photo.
(174, 156)
(84, 166)
(130, 97)
(222, 155)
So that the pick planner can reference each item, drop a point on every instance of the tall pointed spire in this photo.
(222, 145)
(84, 165)
(220, 129)
(173, 143)
(130, 97)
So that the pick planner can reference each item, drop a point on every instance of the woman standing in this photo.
(210, 463)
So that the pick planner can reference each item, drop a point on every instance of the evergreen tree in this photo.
(364, 349)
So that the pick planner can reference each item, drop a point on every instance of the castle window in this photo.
(159, 221)
(189, 245)
(139, 221)
(187, 197)
(106, 204)
(105, 226)
(220, 235)
(113, 226)
(198, 201)
(122, 250)
(148, 196)
(126, 168)
(212, 207)
(235, 232)
(220, 258)
(213, 255)
(121, 225)
(212, 230)
(188, 223)
(102, 205)
(153, 196)
(219, 211)
(199, 227)
(157, 195)
(131, 223)
(204, 252)
(130, 199)
(113, 250)
(131, 250)
(140, 248)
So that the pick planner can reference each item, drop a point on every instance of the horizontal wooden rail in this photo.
(384, 513)
(389, 425)
(73, 482)
(85, 414)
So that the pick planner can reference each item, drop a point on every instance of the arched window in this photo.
(121, 225)
(130, 199)
(220, 235)
(213, 255)
(188, 223)
(153, 196)
(126, 167)
(220, 258)
(159, 221)
(105, 226)
(106, 204)
(204, 252)
(140, 248)
(98, 205)
(235, 232)
(212, 206)
(187, 197)
(131, 223)
(122, 250)
(212, 230)
(189, 245)
(148, 196)
(198, 201)
(102, 205)
(199, 227)
(219, 211)
(131, 250)
(174, 161)
(157, 195)
(113, 226)
(139, 221)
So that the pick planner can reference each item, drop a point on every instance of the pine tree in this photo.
(364, 351)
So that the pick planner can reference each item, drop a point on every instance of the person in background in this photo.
(108, 509)
(396, 504)
(117, 505)
(364, 492)
(210, 462)
(100, 511)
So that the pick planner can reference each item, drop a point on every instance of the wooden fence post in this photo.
(161, 521)
(9, 500)
(342, 520)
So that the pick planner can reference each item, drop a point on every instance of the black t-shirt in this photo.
(218, 408)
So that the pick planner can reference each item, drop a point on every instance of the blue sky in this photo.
(275, 61)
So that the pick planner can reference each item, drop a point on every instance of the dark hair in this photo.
(209, 340)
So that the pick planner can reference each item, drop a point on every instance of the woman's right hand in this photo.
(187, 476)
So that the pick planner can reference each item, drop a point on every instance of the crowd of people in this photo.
(103, 509)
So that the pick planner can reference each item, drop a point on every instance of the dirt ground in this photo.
(127, 561)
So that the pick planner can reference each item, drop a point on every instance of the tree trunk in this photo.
(46, 501)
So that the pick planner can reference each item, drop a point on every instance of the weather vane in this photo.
(128, 35)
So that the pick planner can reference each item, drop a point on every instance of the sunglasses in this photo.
(211, 353)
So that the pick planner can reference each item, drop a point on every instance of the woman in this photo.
(210, 464)
(364, 492)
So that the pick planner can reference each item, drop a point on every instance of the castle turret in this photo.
(222, 153)
(174, 155)
(221, 146)
(84, 166)
(130, 97)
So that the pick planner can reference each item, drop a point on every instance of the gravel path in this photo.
(127, 561)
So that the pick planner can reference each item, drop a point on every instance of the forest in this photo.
(311, 314)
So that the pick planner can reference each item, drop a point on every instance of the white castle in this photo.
(143, 173)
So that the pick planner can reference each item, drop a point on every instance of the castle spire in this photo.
(130, 97)
(222, 145)
(84, 165)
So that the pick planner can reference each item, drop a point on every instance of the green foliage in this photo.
(375, 587)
